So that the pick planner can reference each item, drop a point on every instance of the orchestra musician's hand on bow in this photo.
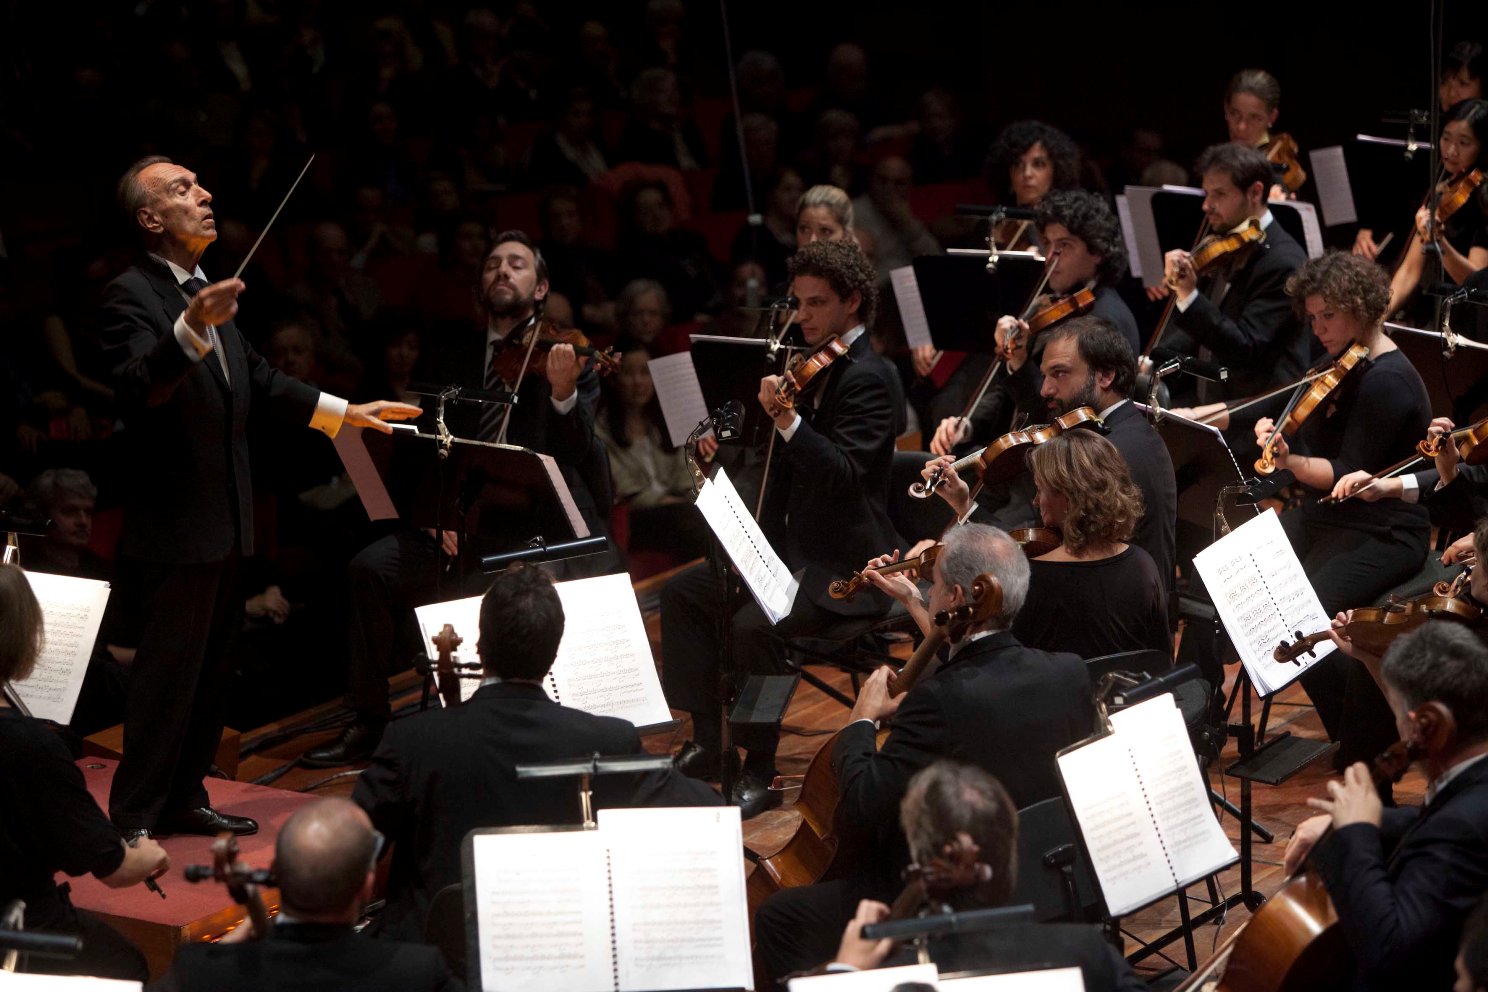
(1365, 245)
(854, 951)
(1460, 551)
(951, 432)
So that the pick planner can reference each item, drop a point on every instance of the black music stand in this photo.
(1178, 212)
(1454, 368)
(731, 369)
(963, 300)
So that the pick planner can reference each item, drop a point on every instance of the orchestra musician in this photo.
(554, 415)
(184, 380)
(1251, 105)
(824, 213)
(447, 771)
(1353, 552)
(1404, 879)
(1083, 250)
(1454, 493)
(946, 805)
(48, 821)
(995, 703)
(825, 511)
(1241, 318)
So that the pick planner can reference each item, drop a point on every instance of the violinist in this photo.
(1238, 314)
(1353, 552)
(1403, 880)
(1084, 250)
(946, 806)
(1454, 493)
(1252, 104)
(554, 416)
(825, 511)
(995, 703)
(1456, 242)
(1087, 362)
(325, 864)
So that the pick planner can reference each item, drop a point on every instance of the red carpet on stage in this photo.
(190, 912)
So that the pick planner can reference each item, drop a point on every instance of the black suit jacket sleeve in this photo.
(872, 780)
(1247, 339)
(383, 791)
(840, 464)
(147, 365)
(1460, 503)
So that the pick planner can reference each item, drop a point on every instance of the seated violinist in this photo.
(1084, 492)
(959, 817)
(1252, 104)
(1454, 493)
(995, 703)
(1403, 880)
(1353, 552)
(1084, 251)
(1087, 363)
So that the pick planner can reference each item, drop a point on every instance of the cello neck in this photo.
(907, 676)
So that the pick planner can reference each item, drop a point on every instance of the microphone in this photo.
(728, 420)
(987, 210)
(14, 523)
(1155, 686)
(540, 551)
(1195, 367)
(1454, 292)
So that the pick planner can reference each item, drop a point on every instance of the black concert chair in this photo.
(445, 927)
(1054, 875)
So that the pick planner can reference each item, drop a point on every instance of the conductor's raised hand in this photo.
(215, 305)
(376, 413)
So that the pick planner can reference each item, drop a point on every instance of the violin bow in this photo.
(248, 257)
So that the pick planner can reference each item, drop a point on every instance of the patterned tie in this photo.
(491, 413)
(191, 287)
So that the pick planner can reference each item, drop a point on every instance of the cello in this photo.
(243, 883)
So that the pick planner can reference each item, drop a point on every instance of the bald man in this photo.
(323, 862)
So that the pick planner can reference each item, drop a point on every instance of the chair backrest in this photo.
(1147, 662)
(1053, 873)
(445, 927)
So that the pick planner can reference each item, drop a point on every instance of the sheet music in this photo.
(1263, 597)
(464, 616)
(680, 395)
(1312, 234)
(1335, 192)
(1147, 254)
(560, 486)
(71, 611)
(911, 307)
(541, 901)
(876, 980)
(769, 581)
(1128, 235)
(681, 915)
(1047, 980)
(604, 662)
(350, 445)
(22, 982)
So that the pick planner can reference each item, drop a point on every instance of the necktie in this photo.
(491, 413)
(191, 287)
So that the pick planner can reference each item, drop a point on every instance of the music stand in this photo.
(1455, 376)
(963, 301)
(1174, 214)
(1202, 463)
(731, 369)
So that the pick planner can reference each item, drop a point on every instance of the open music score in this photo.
(1263, 597)
(679, 393)
(653, 899)
(71, 610)
(766, 576)
(604, 664)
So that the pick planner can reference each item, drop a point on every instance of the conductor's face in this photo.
(179, 208)
(509, 282)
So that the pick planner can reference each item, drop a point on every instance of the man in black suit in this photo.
(825, 512)
(949, 808)
(325, 861)
(554, 415)
(995, 703)
(184, 379)
(1404, 879)
(1241, 318)
(443, 773)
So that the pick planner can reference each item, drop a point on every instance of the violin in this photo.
(1207, 253)
(1036, 541)
(243, 883)
(1282, 150)
(1374, 628)
(919, 565)
(928, 887)
(1302, 408)
(1004, 458)
(801, 371)
(1293, 941)
(519, 355)
(1044, 313)
(1467, 440)
(1457, 193)
(819, 848)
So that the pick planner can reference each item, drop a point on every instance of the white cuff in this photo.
(1410, 490)
(1187, 301)
(329, 415)
(786, 433)
(195, 346)
(563, 406)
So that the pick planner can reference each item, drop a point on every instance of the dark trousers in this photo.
(106, 954)
(173, 714)
(692, 652)
(798, 929)
(1350, 569)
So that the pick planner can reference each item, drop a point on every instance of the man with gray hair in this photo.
(324, 864)
(994, 703)
(66, 498)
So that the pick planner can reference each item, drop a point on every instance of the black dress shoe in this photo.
(696, 761)
(753, 796)
(356, 743)
(206, 821)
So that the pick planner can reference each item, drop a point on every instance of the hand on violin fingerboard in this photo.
(1354, 800)
(769, 387)
(1179, 273)
(1012, 341)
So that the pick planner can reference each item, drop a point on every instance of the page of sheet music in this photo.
(1115, 821)
(875, 980)
(1335, 192)
(22, 982)
(1263, 597)
(1047, 980)
(543, 912)
(464, 616)
(71, 611)
(680, 395)
(352, 448)
(1312, 234)
(911, 307)
(604, 662)
(1128, 235)
(1156, 736)
(765, 575)
(681, 915)
(1149, 255)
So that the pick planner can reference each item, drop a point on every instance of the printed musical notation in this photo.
(71, 610)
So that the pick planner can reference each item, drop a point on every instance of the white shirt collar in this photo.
(853, 335)
(1107, 411)
(1434, 789)
(977, 636)
(1266, 220)
(181, 274)
(492, 338)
